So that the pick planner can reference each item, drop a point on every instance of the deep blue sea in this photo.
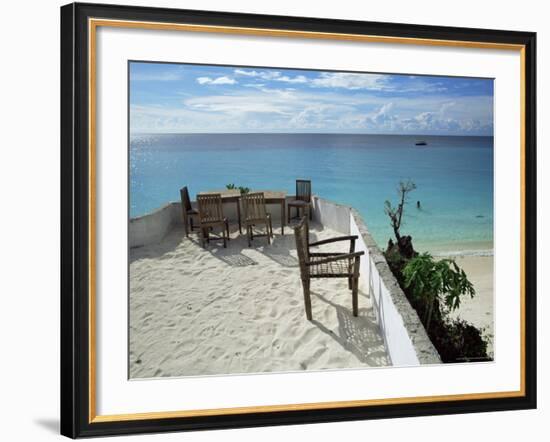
(454, 177)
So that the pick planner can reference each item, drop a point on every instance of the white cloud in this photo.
(246, 73)
(240, 104)
(271, 76)
(384, 114)
(297, 79)
(351, 81)
(155, 119)
(434, 122)
(219, 80)
(446, 106)
(264, 75)
(319, 116)
(466, 115)
(344, 80)
(255, 85)
(374, 82)
(156, 76)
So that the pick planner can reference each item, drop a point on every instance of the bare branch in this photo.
(396, 214)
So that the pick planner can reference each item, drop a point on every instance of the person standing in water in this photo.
(418, 204)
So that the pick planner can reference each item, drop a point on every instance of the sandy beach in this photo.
(196, 311)
(479, 310)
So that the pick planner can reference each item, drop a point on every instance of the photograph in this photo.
(290, 220)
(272, 220)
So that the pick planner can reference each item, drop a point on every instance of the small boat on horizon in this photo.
(421, 143)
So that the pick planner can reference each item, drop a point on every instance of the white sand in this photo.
(478, 310)
(196, 311)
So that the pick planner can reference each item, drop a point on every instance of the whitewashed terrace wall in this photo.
(152, 227)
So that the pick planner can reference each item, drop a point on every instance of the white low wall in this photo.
(152, 227)
(332, 215)
(406, 339)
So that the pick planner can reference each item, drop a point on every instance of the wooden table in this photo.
(271, 197)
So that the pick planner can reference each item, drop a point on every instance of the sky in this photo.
(186, 98)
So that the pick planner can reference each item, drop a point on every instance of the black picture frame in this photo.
(75, 220)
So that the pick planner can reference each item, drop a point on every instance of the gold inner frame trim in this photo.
(93, 24)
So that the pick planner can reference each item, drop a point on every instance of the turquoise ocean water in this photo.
(454, 177)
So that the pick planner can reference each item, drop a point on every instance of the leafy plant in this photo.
(434, 283)
(242, 189)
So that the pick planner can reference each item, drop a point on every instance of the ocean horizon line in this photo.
(311, 133)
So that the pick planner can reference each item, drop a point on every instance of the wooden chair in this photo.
(188, 211)
(254, 214)
(210, 216)
(302, 200)
(326, 264)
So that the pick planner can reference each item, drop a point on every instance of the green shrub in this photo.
(442, 281)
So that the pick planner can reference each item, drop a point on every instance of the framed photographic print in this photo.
(274, 220)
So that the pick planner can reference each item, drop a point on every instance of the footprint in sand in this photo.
(186, 347)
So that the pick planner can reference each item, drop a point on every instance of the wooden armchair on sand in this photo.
(302, 200)
(188, 211)
(254, 214)
(210, 216)
(326, 264)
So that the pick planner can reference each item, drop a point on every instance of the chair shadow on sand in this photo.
(232, 255)
(280, 249)
(359, 335)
